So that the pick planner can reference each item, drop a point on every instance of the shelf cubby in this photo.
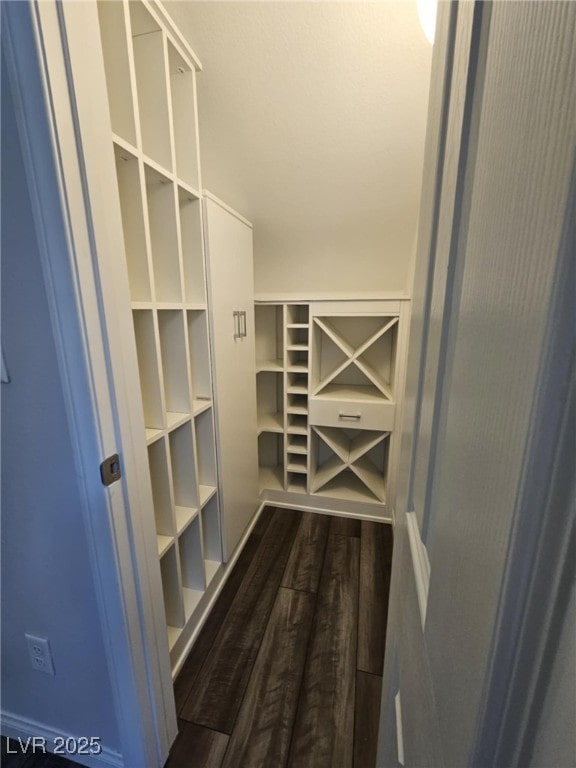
(205, 449)
(148, 43)
(174, 367)
(271, 460)
(191, 560)
(297, 403)
(149, 370)
(185, 124)
(173, 604)
(297, 424)
(192, 253)
(211, 538)
(297, 314)
(161, 491)
(199, 355)
(163, 236)
(296, 483)
(270, 403)
(297, 361)
(297, 383)
(269, 337)
(297, 444)
(184, 467)
(114, 37)
(130, 192)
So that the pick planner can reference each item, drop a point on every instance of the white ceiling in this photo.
(312, 122)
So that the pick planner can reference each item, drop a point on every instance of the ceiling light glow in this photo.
(427, 15)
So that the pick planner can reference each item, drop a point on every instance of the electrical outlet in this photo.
(40, 654)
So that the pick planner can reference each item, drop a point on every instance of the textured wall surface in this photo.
(312, 121)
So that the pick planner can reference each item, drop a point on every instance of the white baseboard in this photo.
(16, 727)
(305, 503)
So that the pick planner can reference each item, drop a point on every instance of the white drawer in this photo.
(351, 413)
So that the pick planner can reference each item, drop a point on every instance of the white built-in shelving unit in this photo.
(328, 384)
(150, 76)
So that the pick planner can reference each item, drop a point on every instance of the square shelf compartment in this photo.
(297, 338)
(114, 37)
(297, 383)
(151, 85)
(161, 201)
(297, 403)
(171, 590)
(297, 361)
(296, 483)
(192, 248)
(191, 567)
(130, 193)
(149, 370)
(297, 314)
(185, 123)
(269, 337)
(270, 403)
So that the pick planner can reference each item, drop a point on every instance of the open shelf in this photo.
(205, 449)
(269, 337)
(184, 516)
(130, 192)
(114, 37)
(199, 354)
(164, 543)
(192, 254)
(297, 314)
(148, 368)
(160, 196)
(171, 589)
(271, 460)
(269, 399)
(174, 366)
(151, 82)
(161, 492)
(184, 119)
(211, 538)
(183, 467)
(191, 561)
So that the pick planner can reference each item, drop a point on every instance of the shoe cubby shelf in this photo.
(327, 393)
(150, 75)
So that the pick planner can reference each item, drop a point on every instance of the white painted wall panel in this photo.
(47, 582)
(525, 156)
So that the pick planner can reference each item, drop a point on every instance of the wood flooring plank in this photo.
(324, 727)
(261, 735)
(375, 569)
(184, 683)
(305, 563)
(344, 526)
(197, 747)
(220, 685)
(367, 708)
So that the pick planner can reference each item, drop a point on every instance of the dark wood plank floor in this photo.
(287, 669)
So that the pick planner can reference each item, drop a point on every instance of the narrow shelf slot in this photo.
(297, 425)
(151, 85)
(211, 537)
(296, 483)
(271, 461)
(130, 192)
(297, 444)
(174, 366)
(297, 314)
(199, 354)
(183, 467)
(161, 201)
(191, 560)
(161, 497)
(192, 249)
(184, 516)
(114, 37)
(185, 124)
(171, 589)
(148, 368)
(296, 463)
(269, 337)
(269, 401)
(297, 361)
(205, 449)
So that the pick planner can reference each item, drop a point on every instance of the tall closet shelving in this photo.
(329, 384)
(150, 78)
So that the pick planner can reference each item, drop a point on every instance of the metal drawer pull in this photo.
(243, 325)
(350, 416)
(237, 333)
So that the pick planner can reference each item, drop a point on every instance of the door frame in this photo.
(94, 364)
